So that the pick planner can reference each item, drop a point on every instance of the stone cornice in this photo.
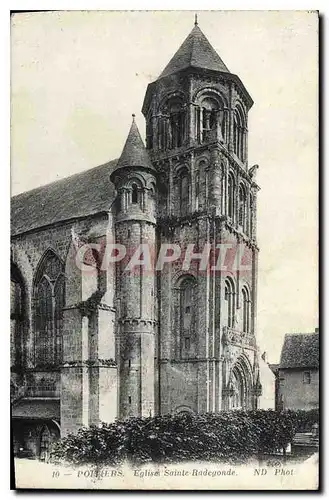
(137, 321)
(189, 360)
(90, 363)
(91, 305)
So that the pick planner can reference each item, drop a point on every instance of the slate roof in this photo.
(134, 153)
(195, 51)
(300, 350)
(79, 195)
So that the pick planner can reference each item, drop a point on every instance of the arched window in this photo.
(151, 205)
(184, 185)
(206, 187)
(171, 124)
(230, 302)
(231, 196)
(246, 310)
(49, 294)
(197, 190)
(187, 317)
(251, 210)
(16, 317)
(239, 133)
(209, 116)
(242, 208)
(134, 194)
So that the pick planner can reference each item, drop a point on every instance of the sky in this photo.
(76, 78)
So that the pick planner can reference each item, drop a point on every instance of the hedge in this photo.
(229, 437)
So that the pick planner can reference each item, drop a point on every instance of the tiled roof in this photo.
(300, 350)
(195, 51)
(79, 195)
(134, 153)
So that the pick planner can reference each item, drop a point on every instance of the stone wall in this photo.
(295, 393)
(88, 334)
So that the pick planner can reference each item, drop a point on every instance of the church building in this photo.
(91, 343)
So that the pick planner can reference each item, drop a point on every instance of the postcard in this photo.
(164, 311)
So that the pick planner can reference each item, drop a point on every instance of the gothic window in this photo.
(48, 311)
(230, 302)
(16, 317)
(187, 316)
(184, 192)
(246, 310)
(231, 196)
(242, 208)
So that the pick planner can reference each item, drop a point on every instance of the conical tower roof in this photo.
(134, 153)
(196, 51)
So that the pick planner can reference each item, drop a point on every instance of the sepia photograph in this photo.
(164, 325)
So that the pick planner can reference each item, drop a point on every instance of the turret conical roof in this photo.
(196, 51)
(134, 153)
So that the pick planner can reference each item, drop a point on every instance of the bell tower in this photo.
(197, 137)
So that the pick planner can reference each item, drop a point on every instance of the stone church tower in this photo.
(135, 220)
(93, 344)
(197, 137)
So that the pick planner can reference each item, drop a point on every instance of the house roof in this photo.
(274, 367)
(79, 195)
(300, 350)
(134, 153)
(196, 51)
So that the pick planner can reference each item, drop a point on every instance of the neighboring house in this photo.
(298, 372)
(91, 346)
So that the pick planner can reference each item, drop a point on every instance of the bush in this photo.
(305, 419)
(228, 436)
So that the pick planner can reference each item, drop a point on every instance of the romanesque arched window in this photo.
(187, 292)
(16, 317)
(231, 196)
(206, 187)
(242, 208)
(171, 124)
(134, 194)
(230, 302)
(251, 209)
(209, 117)
(239, 133)
(49, 295)
(246, 310)
(197, 190)
(184, 191)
